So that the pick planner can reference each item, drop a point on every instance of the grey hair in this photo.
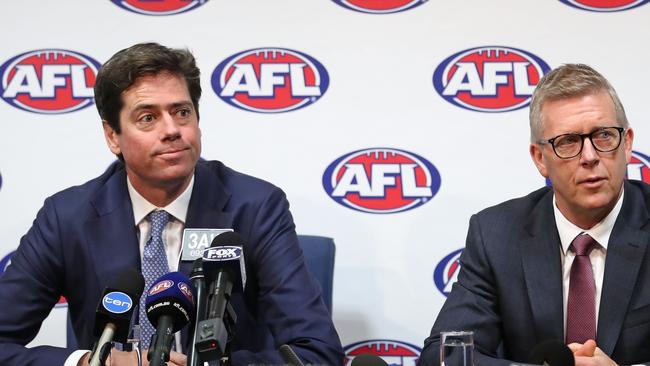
(569, 81)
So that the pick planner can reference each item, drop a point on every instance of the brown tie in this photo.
(581, 305)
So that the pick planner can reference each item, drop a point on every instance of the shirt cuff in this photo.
(74, 357)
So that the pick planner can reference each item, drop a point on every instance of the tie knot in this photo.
(583, 244)
(159, 218)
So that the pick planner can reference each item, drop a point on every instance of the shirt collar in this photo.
(600, 232)
(177, 208)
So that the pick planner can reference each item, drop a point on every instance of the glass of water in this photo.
(457, 348)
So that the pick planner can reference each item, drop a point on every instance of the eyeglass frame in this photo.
(582, 140)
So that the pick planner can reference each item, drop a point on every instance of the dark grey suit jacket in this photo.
(509, 290)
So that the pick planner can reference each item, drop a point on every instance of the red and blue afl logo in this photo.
(159, 7)
(639, 167)
(379, 6)
(490, 78)
(49, 81)
(605, 6)
(186, 291)
(381, 180)
(393, 352)
(160, 287)
(446, 272)
(5, 262)
(270, 80)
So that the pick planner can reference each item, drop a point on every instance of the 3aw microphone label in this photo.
(196, 241)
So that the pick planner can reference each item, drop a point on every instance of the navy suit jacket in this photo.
(84, 236)
(509, 290)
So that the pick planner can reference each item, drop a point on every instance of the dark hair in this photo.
(143, 59)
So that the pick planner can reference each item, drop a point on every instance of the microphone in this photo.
(289, 356)
(552, 353)
(114, 312)
(169, 306)
(367, 359)
(198, 279)
(225, 272)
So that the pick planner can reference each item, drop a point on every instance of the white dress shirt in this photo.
(600, 232)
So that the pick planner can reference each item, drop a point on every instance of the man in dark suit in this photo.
(568, 263)
(147, 96)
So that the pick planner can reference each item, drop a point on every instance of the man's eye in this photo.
(602, 135)
(567, 140)
(184, 112)
(147, 118)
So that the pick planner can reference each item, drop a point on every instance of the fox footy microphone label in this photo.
(381, 180)
(379, 6)
(159, 7)
(393, 352)
(490, 78)
(49, 81)
(605, 6)
(270, 80)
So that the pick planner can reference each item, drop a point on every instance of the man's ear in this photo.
(538, 159)
(112, 139)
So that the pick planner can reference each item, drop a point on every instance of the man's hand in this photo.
(175, 359)
(119, 358)
(588, 354)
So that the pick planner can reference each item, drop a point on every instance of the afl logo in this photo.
(160, 287)
(605, 6)
(49, 81)
(379, 6)
(159, 7)
(5, 262)
(186, 291)
(270, 80)
(393, 352)
(489, 79)
(446, 272)
(639, 167)
(381, 180)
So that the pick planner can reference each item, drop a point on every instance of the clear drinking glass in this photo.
(127, 354)
(457, 348)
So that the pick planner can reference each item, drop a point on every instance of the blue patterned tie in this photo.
(154, 265)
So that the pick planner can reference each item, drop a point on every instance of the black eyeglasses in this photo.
(570, 145)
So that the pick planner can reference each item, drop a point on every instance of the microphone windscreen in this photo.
(553, 353)
(226, 253)
(131, 281)
(117, 303)
(227, 238)
(366, 359)
(172, 294)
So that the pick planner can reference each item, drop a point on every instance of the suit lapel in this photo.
(206, 210)
(625, 252)
(111, 235)
(543, 271)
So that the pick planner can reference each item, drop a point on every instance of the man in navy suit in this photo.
(524, 277)
(83, 237)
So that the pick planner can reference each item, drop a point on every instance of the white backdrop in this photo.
(381, 94)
